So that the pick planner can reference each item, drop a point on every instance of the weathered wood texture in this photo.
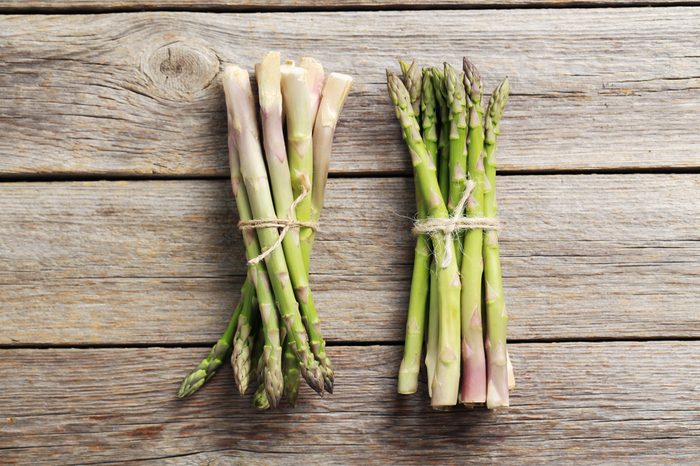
(139, 94)
(576, 403)
(588, 256)
(294, 5)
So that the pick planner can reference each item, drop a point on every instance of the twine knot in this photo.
(455, 223)
(284, 223)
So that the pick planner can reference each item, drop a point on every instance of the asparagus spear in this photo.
(243, 341)
(412, 79)
(431, 350)
(239, 99)
(415, 320)
(438, 78)
(456, 100)
(446, 381)
(297, 103)
(206, 369)
(335, 91)
(314, 81)
(290, 368)
(299, 123)
(473, 389)
(496, 316)
(269, 88)
(260, 400)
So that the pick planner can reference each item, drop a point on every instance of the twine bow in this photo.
(455, 223)
(284, 223)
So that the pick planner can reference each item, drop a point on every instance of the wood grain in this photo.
(292, 5)
(575, 403)
(295, 5)
(588, 256)
(139, 94)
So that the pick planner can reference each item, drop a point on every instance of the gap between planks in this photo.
(239, 6)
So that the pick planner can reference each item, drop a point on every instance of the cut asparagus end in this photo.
(314, 81)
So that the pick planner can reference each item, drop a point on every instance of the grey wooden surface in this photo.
(119, 259)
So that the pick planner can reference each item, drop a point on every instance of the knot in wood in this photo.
(180, 69)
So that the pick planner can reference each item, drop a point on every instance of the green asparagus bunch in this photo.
(273, 336)
(456, 301)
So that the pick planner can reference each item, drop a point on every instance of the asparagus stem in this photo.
(335, 92)
(296, 94)
(415, 321)
(457, 103)
(248, 162)
(438, 78)
(297, 103)
(314, 81)
(496, 316)
(243, 341)
(431, 351)
(290, 368)
(206, 369)
(269, 88)
(473, 389)
(446, 381)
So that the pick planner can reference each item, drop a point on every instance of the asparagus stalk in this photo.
(496, 316)
(290, 368)
(249, 163)
(206, 369)
(243, 341)
(456, 100)
(473, 389)
(438, 78)
(314, 81)
(260, 399)
(335, 92)
(431, 350)
(446, 381)
(415, 321)
(269, 88)
(297, 101)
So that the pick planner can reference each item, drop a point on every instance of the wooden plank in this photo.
(138, 94)
(589, 256)
(286, 5)
(575, 403)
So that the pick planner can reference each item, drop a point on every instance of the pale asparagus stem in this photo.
(496, 316)
(269, 89)
(249, 163)
(335, 92)
(299, 125)
(415, 320)
(457, 102)
(295, 92)
(206, 369)
(473, 389)
(447, 372)
(243, 341)
(314, 81)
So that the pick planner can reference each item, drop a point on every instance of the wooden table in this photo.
(120, 261)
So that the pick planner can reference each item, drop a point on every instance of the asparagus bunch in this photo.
(274, 336)
(458, 286)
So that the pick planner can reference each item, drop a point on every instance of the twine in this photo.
(454, 224)
(284, 223)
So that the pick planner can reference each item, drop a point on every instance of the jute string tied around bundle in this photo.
(456, 223)
(284, 223)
